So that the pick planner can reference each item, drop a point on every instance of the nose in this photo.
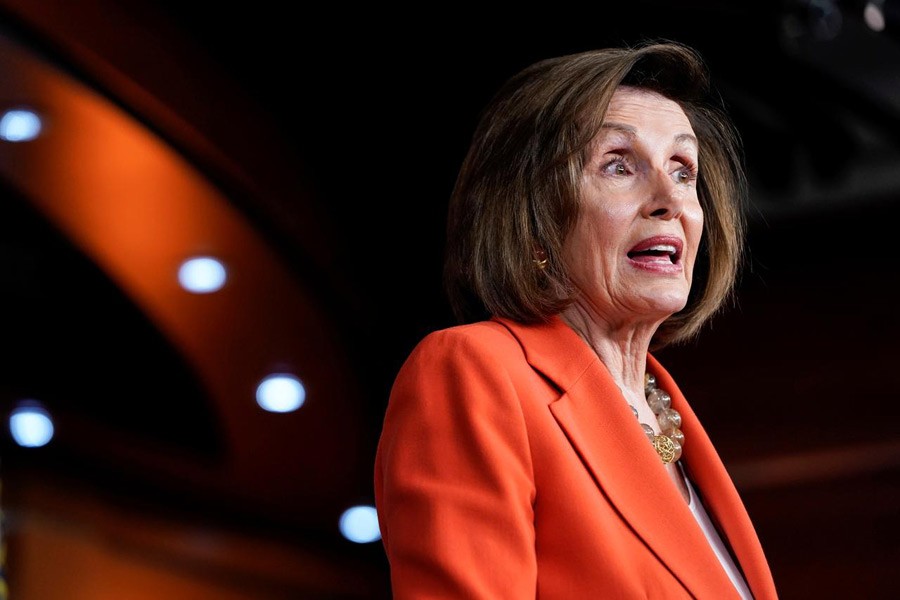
(665, 198)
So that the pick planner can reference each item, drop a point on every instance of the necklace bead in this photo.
(669, 443)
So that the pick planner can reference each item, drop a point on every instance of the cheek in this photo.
(693, 227)
(692, 218)
(606, 221)
(586, 249)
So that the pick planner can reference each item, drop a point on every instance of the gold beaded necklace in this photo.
(668, 444)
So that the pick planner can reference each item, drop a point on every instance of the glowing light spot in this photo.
(19, 125)
(31, 425)
(360, 524)
(280, 393)
(873, 15)
(202, 275)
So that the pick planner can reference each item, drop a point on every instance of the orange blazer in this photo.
(510, 466)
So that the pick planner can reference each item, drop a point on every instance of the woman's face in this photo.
(632, 250)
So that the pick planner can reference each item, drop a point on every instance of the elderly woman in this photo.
(538, 449)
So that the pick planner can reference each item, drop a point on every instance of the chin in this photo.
(667, 304)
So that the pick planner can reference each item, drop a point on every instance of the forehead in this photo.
(642, 107)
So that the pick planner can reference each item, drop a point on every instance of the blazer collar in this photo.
(721, 497)
(602, 429)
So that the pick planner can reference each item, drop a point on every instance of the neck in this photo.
(623, 349)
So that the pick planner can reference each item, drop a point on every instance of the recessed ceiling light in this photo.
(281, 393)
(360, 524)
(31, 425)
(202, 275)
(19, 125)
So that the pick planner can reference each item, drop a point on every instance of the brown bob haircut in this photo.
(519, 186)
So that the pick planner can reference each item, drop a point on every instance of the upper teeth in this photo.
(663, 248)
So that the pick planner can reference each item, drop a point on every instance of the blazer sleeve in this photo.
(453, 475)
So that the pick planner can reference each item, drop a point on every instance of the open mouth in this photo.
(657, 251)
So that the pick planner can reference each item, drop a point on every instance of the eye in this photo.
(686, 174)
(618, 166)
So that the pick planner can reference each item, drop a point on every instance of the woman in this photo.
(538, 449)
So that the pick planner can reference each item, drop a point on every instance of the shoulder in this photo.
(489, 337)
(486, 344)
(481, 350)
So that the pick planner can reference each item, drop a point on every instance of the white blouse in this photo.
(715, 540)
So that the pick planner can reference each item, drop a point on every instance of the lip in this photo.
(657, 263)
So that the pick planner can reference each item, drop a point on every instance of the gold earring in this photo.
(540, 259)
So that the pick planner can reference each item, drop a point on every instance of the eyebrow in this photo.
(632, 132)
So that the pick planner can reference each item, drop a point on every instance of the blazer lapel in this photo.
(722, 500)
(604, 432)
